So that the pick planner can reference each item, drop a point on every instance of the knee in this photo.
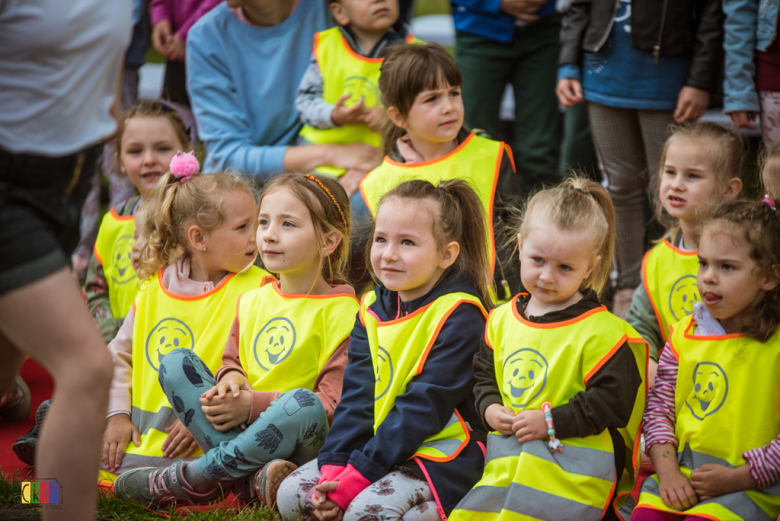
(173, 360)
(289, 500)
(97, 369)
(303, 404)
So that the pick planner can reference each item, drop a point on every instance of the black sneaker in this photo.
(18, 407)
(26, 443)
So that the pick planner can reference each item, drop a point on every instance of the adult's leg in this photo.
(48, 320)
(579, 153)
(537, 119)
(397, 496)
(295, 492)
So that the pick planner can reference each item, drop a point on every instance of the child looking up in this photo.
(554, 363)
(701, 163)
(401, 444)
(712, 425)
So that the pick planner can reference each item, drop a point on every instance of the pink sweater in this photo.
(181, 13)
(660, 416)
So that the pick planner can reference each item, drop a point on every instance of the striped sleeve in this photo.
(765, 463)
(660, 417)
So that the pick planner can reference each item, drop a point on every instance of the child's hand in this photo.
(179, 441)
(373, 117)
(119, 431)
(500, 418)
(161, 34)
(709, 481)
(353, 115)
(676, 491)
(530, 425)
(226, 413)
(569, 92)
(324, 508)
(350, 181)
(232, 381)
(176, 49)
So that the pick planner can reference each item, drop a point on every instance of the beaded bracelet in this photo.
(554, 443)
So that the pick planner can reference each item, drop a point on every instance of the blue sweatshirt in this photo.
(446, 383)
(242, 81)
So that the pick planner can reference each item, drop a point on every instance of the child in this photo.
(770, 171)
(196, 262)
(712, 426)
(401, 441)
(338, 99)
(424, 138)
(556, 364)
(283, 363)
(147, 141)
(701, 163)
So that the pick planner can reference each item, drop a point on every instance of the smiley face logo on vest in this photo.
(274, 343)
(525, 375)
(710, 388)
(120, 256)
(684, 295)
(167, 335)
(360, 87)
(384, 373)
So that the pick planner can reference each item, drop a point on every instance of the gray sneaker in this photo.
(159, 487)
(26, 443)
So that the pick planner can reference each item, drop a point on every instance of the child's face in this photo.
(231, 246)
(375, 16)
(404, 254)
(148, 145)
(730, 282)
(555, 262)
(286, 236)
(436, 115)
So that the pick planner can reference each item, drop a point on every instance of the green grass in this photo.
(426, 7)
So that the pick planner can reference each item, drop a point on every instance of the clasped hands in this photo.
(228, 403)
(528, 425)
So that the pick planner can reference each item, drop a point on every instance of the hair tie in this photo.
(184, 166)
(769, 201)
(332, 197)
(580, 190)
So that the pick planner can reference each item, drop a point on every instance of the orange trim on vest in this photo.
(316, 44)
(679, 251)
(194, 297)
(487, 340)
(266, 280)
(489, 215)
(459, 449)
(95, 253)
(238, 305)
(356, 55)
(314, 297)
(554, 325)
(432, 161)
(645, 283)
(687, 334)
(652, 507)
(510, 156)
(118, 217)
(407, 317)
(605, 359)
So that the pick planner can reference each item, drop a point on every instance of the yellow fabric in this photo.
(727, 400)
(670, 283)
(113, 247)
(164, 322)
(286, 340)
(399, 349)
(537, 363)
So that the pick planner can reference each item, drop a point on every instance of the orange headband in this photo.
(332, 197)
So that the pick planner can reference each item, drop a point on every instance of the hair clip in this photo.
(184, 166)
(769, 201)
(332, 197)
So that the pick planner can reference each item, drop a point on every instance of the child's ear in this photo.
(395, 116)
(593, 265)
(520, 244)
(196, 238)
(733, 188)
(450, 255)
(338, 13)
(771, 279)
(331, 242)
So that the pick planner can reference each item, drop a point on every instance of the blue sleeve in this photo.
(430, 399)
(353, 419)
(220, 112)
(740, 46)
(479, 6)
(569, 70)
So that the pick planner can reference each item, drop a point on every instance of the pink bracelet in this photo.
(554, 443)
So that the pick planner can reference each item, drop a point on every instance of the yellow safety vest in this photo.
(286, 340)
(477, 161)
(399, 349)
(113, 248)
(727, 400)
(669, 275)
(164, 322)
(345, 72)
(537, 363)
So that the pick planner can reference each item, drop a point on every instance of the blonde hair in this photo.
(329, 211)
(770, 170)
(176, 205)
(577, 204)
(153, 109)
(727, 155)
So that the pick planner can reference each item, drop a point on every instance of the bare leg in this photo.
(49, 320)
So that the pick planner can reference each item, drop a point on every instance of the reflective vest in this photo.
(164, 322)
(113, 249)
(537, 363)
(669, 275)
(727, 400)
(399, 349)
(345, 72)
(477, 161)
(286, 340)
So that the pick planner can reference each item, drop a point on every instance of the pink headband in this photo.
(184, 166)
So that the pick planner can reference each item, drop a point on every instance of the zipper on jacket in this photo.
(605, 36)
(657, 46)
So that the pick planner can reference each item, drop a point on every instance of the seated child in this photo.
(560, 380)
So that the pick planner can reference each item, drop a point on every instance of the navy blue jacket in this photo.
(445, 383)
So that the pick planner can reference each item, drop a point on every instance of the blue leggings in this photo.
(292, 428)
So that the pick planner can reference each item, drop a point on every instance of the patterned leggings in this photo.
(292, 428)
(398, 496)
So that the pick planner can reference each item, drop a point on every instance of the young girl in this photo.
(701, 163)
(401, 444)
(197, 260)
(424, 138)
(283, 363)
(147, 141)
(554, 363)
(712, 426)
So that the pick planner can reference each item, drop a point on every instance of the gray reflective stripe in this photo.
(693, 460)
(136, 461)
(739, 503)
(447, 446)
(574, 460)
(529, 502)
(146, 420)
(627, 508)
